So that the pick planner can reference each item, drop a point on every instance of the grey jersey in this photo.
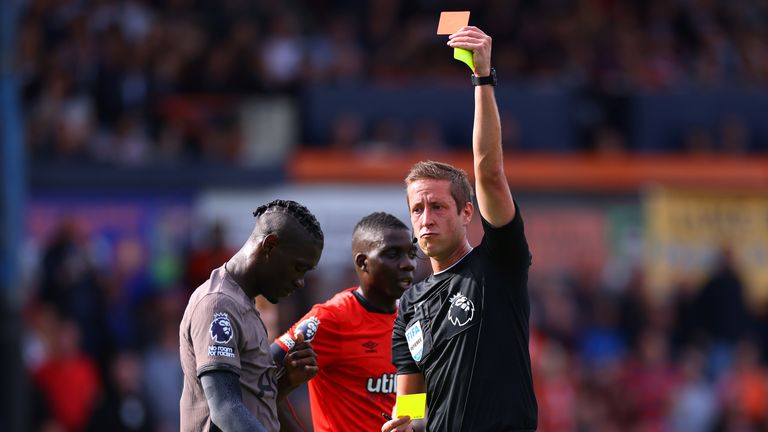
(222, 330)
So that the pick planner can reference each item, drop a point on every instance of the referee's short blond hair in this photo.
(461, 189)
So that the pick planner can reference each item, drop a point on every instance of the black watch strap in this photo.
(486, 80)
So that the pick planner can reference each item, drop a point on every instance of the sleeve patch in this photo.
(309, 327)
(221, 351)
(221, 329)
(288, 341)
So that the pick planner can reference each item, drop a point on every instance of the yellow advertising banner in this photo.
(687, 231)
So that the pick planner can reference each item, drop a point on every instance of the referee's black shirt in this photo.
(466, 330)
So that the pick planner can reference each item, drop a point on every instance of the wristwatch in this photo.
(486, 80)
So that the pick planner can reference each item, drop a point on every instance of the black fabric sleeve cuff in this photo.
(217, 367)
(278, 354)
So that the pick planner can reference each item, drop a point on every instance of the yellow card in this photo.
(451, 22)
(411, 405)
(465, 56)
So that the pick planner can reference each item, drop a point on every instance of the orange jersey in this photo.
(356, 381)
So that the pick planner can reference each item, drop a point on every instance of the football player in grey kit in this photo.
(231, 382)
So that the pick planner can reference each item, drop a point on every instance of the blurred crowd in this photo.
(148, 81)
(101, 347)
(621, 359)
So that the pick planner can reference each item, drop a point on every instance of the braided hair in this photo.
(300, 213)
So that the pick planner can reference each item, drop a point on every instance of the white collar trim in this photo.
(454, 264)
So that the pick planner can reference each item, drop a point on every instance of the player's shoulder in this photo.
(219, 287)
(218, 300)
(513, 226)
(331, 314)
(340, 303)
(341, 299)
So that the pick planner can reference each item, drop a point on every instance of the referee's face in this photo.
(439, 227)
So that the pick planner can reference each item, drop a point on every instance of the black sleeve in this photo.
(222, 390)
(507, 243)
(401, 355)
(278, 354)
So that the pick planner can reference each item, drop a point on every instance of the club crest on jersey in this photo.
(221, 329)
(461, 311)
(415, 338)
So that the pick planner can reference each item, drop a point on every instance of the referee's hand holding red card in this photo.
(473, 39)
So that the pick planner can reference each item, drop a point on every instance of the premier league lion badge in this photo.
(461, 311)
(221, 329)
(309, 327)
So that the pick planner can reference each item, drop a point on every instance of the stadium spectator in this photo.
(743, 387)
(162, 370)
(209, 255)
(124, 406)
(694, 405)
(71, 284)
(723, 294)
(67, 380)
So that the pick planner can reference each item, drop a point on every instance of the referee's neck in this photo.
(441, 265)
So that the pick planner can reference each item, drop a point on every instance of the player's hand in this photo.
(473, 39)
(300, 362)
(400, 424)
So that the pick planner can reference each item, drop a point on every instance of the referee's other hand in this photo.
(400, 424)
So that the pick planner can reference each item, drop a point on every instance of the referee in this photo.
(461, 335)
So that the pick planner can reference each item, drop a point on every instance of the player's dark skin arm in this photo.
(285, 413)
(287, 417)
(225, 401)
(298, 366)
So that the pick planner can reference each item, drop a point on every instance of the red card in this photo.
(451, 22)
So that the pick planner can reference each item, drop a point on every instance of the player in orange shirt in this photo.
(352, 332)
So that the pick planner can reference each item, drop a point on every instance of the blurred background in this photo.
(138, 136)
